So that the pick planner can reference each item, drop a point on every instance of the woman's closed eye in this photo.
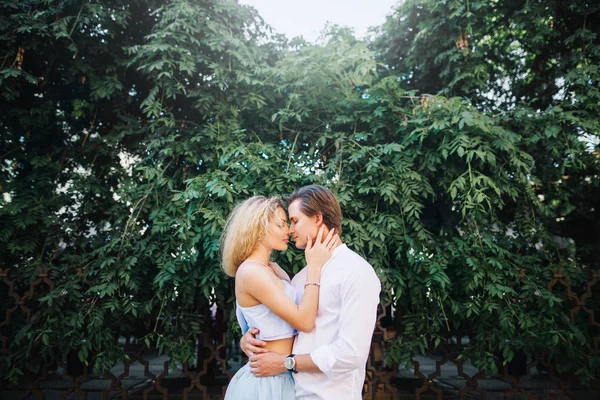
(282, 224)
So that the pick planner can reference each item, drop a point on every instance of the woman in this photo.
(265, 298)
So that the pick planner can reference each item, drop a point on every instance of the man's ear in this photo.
(318, 219)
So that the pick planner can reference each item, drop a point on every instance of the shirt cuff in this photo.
(324, 359)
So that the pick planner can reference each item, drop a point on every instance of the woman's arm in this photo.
(258, 283)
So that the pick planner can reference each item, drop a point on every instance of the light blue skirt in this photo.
(245, 386)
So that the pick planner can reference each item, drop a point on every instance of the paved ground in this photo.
(541, 386)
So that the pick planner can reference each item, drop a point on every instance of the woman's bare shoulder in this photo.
(252, 271)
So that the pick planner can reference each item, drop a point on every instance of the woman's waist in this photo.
(281, 346)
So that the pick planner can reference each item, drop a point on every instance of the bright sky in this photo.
(308, 17)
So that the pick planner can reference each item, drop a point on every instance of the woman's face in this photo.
(278, 236)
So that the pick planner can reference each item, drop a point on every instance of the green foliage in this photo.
(529, 195)
(467, 174)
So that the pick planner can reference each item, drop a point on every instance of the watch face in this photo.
(289, 363)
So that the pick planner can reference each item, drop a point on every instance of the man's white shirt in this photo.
(340, 343)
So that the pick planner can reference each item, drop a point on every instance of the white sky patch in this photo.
(127, 161)
(82, 171)
(308, 18)
(592, 141)
(62, 189)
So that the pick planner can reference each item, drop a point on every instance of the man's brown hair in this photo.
(317, 199)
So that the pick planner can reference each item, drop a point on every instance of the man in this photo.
(330, 360)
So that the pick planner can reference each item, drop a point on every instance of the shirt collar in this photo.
(334, 254)
(338, 249)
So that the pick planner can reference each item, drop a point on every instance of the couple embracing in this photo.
(309, 337)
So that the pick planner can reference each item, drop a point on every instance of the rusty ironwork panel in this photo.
(440, 374)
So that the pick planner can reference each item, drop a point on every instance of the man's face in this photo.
(301, 225)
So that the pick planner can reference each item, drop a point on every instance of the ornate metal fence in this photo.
(440, 374)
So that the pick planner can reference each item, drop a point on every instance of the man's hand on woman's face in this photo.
(250, 345)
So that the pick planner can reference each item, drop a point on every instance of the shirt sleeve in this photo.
(359, 299)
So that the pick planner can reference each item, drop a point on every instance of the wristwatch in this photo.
(290, 363)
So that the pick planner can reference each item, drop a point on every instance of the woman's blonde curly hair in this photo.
(246, 227)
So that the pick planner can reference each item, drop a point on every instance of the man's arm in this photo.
(269, 364)
(357, 321)
(360, 297)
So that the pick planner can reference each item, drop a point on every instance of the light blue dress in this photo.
(244, 385)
